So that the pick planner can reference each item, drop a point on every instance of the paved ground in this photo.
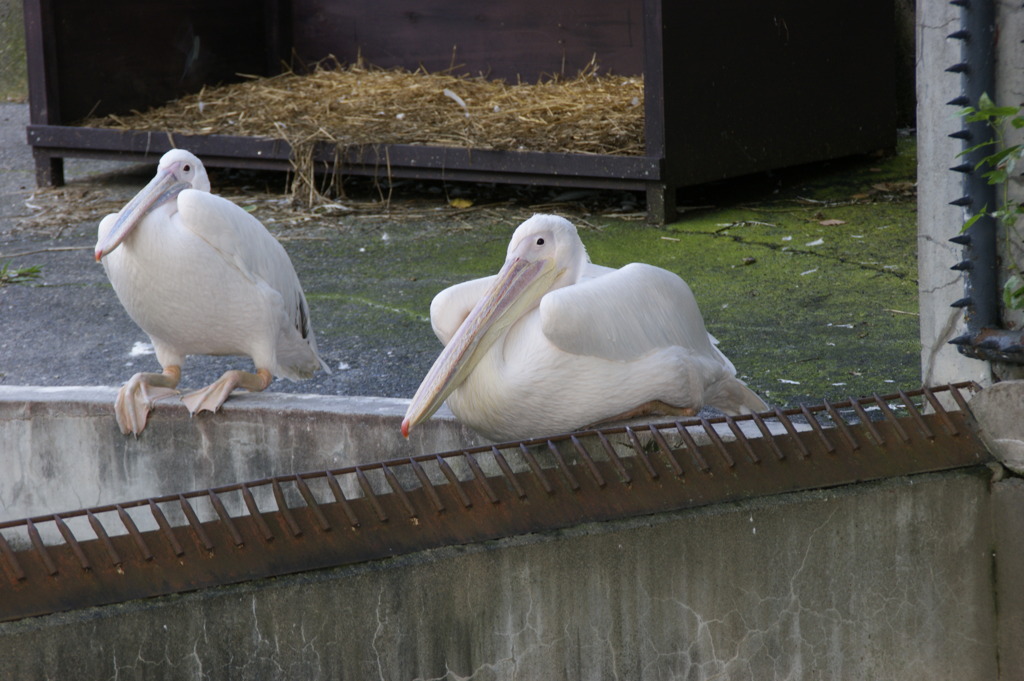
(808, 279)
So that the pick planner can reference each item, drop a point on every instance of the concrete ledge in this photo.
(61, 448)
(63, 451)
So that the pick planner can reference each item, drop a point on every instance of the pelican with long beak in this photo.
(201, 276)
(553, 343)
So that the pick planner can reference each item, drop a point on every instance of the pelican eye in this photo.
(540, 241)
(187, 168)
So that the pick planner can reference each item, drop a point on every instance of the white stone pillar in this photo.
(937, 221)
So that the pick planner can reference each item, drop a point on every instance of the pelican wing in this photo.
(450, 307)
(247, 246)
(624, 314)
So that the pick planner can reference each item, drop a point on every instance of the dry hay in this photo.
(364, 105)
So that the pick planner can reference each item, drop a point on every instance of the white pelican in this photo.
(553, 343)
(202, 277)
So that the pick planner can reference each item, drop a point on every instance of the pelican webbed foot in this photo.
(214, 395)
(135, 399)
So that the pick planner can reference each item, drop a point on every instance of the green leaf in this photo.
(974, 218)
(1009, 152)
(997, 176)
(1001, 111)
(19, 275)
(975, 148)
(1013, 293)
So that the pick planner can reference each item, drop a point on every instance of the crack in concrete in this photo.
(781, 248)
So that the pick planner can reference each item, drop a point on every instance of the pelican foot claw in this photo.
(214, 395)
(135, 400)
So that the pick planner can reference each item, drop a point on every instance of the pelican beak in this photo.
(515, 290)
(162, 188)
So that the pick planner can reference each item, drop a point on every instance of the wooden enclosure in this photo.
(731, 87)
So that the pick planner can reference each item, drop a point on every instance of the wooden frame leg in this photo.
(661, 203)
(49, 169)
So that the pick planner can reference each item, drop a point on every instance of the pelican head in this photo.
(545, 253)
(178, 170)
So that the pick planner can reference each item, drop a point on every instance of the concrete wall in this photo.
(903, 579)
(61, 449)
(936, 186)
(875, 581)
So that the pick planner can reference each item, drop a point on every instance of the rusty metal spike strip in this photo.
(324, 519)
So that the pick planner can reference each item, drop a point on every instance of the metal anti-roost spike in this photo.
(454, 481)
(194, 524)
(398, 490)
(104, 538)
(698, 458)
(72, 542)
(585, 457)
(165, 528)
(133, 531)
(481, 479)
(342, 500)
(614, 458)
(425, 485)
(666, 451)
(225, 518)
(506, 470)
(40, 549)
(364, 484)
(286, 512)
(256, 515)
(312, 504)
(641, 455)
(12, 561)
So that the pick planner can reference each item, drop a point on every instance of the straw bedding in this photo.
(359, 104)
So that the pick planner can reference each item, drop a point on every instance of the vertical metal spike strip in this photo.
(985, 337)
(292, 523)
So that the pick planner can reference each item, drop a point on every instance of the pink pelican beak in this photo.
(161, 189)
(516, 289)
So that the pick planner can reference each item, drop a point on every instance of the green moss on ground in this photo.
(811, 289)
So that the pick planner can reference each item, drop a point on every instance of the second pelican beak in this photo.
(515, 290)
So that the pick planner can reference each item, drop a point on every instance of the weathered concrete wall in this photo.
(61, 450)
(875, 581)
(936, 186)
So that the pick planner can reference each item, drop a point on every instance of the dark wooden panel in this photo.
(753, 86)
(503, 39)
(129, 55)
